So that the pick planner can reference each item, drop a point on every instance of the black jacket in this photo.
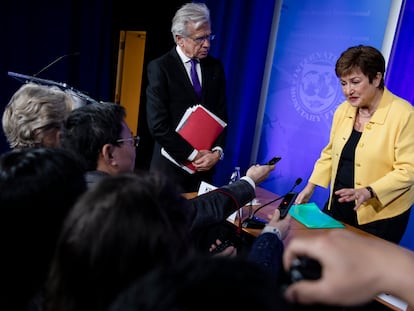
(169, 94)
(210, 208)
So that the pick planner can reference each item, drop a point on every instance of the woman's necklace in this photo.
(365, 115)
(361, 119)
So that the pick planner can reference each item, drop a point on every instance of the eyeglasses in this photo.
(200, 40)
(134, 140)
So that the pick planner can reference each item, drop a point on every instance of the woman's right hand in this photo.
(305, 195)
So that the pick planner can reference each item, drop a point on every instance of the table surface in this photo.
(296, 229)
(264, 196)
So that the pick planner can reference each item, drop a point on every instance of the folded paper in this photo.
(310, 215)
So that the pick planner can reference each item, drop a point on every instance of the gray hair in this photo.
(196, 13)
(32, 110)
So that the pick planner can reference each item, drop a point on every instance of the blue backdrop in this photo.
(303, 91)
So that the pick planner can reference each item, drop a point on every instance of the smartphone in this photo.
(222, 247)
(286, 203)
(274, 160)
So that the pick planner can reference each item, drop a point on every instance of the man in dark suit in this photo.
(171, 91)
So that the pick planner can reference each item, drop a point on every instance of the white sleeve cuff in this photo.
(192, 155)
(250, 181)
(273, 230)
(217, 148)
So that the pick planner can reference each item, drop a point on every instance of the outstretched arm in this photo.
(355, 269)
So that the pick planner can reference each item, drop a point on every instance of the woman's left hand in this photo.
(360, 196)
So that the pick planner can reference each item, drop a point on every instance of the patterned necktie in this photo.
(194, 78)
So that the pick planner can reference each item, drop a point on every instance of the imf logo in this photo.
(315, 89)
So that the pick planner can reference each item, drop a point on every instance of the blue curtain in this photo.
(400, 77)
(400, 73)
(242, 29)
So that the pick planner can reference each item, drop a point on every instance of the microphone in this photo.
(79, 98)
(54, 62)
(258, 223)
(297, 183)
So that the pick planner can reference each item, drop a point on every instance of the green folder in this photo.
(310, 215)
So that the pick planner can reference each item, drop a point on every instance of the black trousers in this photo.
(390, 229)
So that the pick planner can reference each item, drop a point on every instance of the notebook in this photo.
(310, 215)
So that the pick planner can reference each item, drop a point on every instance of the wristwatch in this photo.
(371, 192)
(221, 153)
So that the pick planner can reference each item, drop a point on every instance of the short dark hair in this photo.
(367, 58)
(202, 283)
(38, 187)
(119, 230)
(88, 128)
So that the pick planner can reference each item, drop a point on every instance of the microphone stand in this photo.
(63, 86)
(78, 97)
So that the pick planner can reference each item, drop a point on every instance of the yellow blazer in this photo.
(384, 157)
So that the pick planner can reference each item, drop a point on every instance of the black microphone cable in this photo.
(297, 182)
(257, 223)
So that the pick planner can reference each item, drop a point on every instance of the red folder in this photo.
(200, 127)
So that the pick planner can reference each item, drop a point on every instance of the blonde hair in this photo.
(32, 111)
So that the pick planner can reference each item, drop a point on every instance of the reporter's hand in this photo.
(230, 251)
(259, 173)
(282, 225)
(352, 268)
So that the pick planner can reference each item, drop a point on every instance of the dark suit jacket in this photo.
(209, 208)
(169, 94)
(215, 206)
(267, 252)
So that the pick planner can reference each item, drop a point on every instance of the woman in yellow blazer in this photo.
(369, 160)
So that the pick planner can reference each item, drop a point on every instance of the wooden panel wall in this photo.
(129, 74)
